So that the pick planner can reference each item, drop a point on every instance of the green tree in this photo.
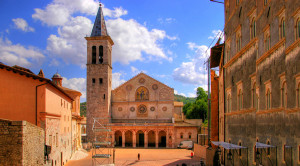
(197, 109)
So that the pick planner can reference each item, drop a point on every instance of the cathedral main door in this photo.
(141, 140)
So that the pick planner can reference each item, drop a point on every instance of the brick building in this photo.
(44, 103)
(141, 112)
(260, 80)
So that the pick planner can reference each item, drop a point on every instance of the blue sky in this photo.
(166, 39)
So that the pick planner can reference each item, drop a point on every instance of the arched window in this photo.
(181, 135)
(268, 101)
(253, 28)
(282, 28)
(190, 135)
(283, 95)
(228, 103)
(254, 96)
(298, 29)
(299, 95)
(238, 43)
(240, 100)
(100, 54)
(267, 43)
(142, 93)
(94, 55)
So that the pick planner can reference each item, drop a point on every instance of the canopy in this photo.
(261, 145)
(226, 145)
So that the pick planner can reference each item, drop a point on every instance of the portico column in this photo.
(113, 139)
(134, 139)
(146, 139)
(123, 139)
(168, 139)
(156, 139)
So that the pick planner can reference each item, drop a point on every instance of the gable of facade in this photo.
(142, 97)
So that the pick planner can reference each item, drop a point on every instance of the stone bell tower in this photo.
(99, 73)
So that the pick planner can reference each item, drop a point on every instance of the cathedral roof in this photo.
(99, 28)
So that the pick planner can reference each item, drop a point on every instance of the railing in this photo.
(141, 120)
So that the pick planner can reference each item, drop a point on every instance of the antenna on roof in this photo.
(217, 1)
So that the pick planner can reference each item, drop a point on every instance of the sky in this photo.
(167, 39)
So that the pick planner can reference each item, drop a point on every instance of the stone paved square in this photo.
(153, 157)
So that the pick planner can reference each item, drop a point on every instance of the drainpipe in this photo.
(36, 112)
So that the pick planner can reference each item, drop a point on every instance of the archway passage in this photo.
(140, 138)
(118, 138)
(151, 139)
(128, 138)
(162, 138)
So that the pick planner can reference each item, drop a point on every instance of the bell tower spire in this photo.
(99, 28)
(99, 73)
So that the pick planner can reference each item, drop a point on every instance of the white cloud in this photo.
(78, 84)
(136, 71)
(117, 12)
(21, 24)
(217, 34)
(192, 95)
(70, 44)
(166, 20)
(116, 80)
(193, 71)
(133, 39)
(19, 55)
(53, 15)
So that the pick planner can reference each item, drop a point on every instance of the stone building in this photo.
(44, 103)
(141, 112)
(260, 80)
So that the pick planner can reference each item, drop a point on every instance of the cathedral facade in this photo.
(141, 112)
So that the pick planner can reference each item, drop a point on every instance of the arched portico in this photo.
(128, 138)
(162, 138)
(151, 138)
(140, 139)
(118, 138)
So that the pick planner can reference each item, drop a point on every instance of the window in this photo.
(103, 96)
(100, 54)
(282, 28)
(254, 96)
(268, 101)
(268, 149)
(181, 135)
(61, 102)
(253, 29)
(94, 80)
(50, 140)
(298, 29)
(240, 100)
(283, 95)
(298, 95)
(100, 80)
(240, 150)
(53, 140)
(267, 43)
(64, 104)
(238, 43)
(94, 55)
(64, 117)
(284, 153)
(229, 103)
(56, 139)
(190, 135)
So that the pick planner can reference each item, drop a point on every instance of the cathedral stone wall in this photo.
(128, 99)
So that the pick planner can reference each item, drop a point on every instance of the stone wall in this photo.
(21, 143)
(254, 71)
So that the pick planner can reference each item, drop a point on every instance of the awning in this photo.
(261, 145)
(226, 145)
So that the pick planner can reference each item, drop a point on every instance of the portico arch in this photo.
(151, 138)
(128, 138)
(162, 138)
(118, 138)
(140, 137)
